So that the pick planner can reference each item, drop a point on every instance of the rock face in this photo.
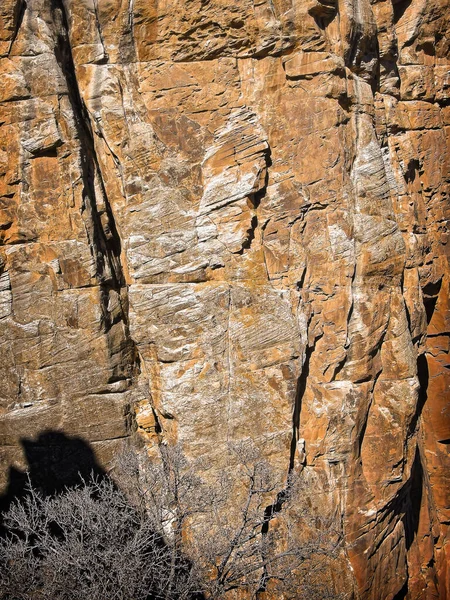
(222, 220)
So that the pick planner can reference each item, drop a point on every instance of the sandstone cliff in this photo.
(222, 220)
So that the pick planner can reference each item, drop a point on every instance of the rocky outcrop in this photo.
(227, 220)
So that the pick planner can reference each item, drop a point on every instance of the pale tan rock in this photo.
(222, 221)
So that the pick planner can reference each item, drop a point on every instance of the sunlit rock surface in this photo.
(222, 220)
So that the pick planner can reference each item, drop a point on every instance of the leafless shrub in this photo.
(256, 548)
(87, 543)
(241, 530)
(162, 532)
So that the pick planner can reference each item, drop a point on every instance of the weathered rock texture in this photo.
(223, 220)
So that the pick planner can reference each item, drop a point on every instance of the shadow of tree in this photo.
(54, 462)
(57, 463)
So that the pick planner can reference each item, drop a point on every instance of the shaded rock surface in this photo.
(226, 220)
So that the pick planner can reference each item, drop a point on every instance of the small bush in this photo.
(88, 543)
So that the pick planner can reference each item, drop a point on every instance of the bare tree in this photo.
(251, 541)
(87, 543)
(246, 531)
(161, 532)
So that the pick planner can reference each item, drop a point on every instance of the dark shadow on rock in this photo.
(423, 376)
(299, 393)
(400, 8)
(54, 462)
(430, 293)
(401, 595)
(406, 506)
(414, 501)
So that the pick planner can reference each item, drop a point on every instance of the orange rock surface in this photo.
(222, 220)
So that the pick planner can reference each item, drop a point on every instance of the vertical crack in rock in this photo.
(104, 59)
(423, 377)
(399, 8)
(255, 200)
(19, 13)
(104, 237)
(407, 504)
(430, 293)
(401, 595)
(299, 393)
(413, 500)
(101, 228)
(271, 510)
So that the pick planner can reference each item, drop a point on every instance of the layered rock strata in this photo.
(228, 220)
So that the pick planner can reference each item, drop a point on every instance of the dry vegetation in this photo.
(159, 531)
